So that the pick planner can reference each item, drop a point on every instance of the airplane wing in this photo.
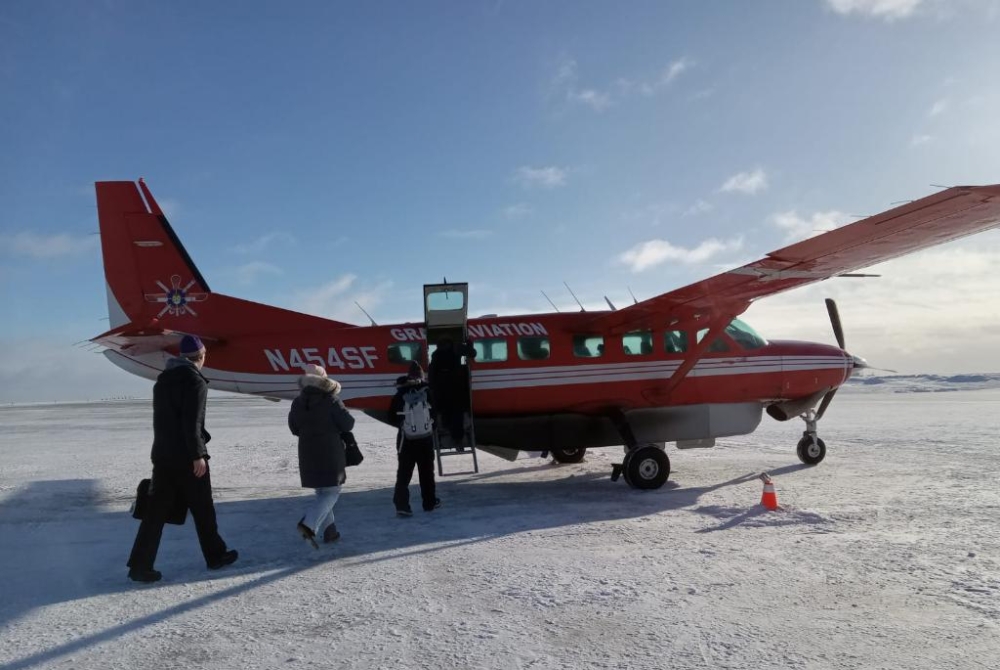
(936, 219)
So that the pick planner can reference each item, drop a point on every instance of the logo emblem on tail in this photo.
(176, 298)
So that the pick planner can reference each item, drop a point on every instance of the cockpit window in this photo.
(717, 345)
(744, 335)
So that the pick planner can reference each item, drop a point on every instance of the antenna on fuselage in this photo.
(634, 301)
(366, 313)
(610, 304)
(582, 308)
(550, 301)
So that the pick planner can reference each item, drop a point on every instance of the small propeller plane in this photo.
(679, 367)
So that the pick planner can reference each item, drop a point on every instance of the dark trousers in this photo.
(166, 486)
(419, 453)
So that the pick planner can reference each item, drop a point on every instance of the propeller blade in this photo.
(838, 330)
(827, 399)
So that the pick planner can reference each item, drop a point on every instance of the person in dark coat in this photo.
(412, 451)
(317, 418)
(449, 382)
(180, 464)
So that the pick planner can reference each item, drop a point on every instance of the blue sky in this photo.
(316, 154)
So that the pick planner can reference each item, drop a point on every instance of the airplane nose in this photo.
(859, 363)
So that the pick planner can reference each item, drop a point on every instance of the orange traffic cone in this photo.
(769, 499)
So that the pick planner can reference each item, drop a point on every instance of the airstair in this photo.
(446, 314)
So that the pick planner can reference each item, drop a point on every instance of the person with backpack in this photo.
(320, 421)
(410, 411)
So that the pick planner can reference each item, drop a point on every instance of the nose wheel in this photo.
(811, 449)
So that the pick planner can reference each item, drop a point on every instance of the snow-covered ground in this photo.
(887, 555)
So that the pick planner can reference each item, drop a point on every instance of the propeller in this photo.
(838, 330)
(838, 333)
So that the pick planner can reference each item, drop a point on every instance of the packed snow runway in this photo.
(887, 555)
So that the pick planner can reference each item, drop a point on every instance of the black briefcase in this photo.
(178, 511)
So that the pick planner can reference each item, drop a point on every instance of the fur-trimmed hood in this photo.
(324, 384)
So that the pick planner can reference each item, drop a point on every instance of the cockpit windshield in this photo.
(744, 335)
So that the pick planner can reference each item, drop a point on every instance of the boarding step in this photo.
(445, 446)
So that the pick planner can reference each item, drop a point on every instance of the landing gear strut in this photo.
(811, 449)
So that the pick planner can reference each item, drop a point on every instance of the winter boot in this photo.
(227, 558)
(307, 534)
(145, 576)
(331, 534)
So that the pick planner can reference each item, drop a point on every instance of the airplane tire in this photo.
(646, 468)
(568, 455)
(810, 453)
(625, 462)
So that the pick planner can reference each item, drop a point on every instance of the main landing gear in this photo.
(811, 449)
(568, 455)
(645, 466)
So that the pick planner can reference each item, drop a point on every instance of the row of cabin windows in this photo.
(636, 343)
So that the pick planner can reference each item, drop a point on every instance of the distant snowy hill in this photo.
(924, 383)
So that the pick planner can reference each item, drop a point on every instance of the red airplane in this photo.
(679, 367)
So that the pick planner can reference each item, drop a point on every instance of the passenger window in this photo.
(638, 342)
(490, 350)
(532, 348)
(404, 352)
(588, 346)
(718, 345)
(676, 342)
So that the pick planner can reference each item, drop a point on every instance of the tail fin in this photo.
(155, 289)
(148, 272)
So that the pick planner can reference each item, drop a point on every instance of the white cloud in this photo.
(675, 70)
(43, 247)
(939, 107)
(654, 252)
(699, 207)
(249, 273)
(889, 10)
(746, 182)
(566, 83)
(930, 312)
(517, 211)
(335, 299)
(799, 228)
(596, 100)
(917, 140)
(543, 177)
(264, 242)
(474, 234)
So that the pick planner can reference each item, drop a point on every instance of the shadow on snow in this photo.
(61, 546)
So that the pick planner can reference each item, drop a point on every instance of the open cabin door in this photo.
(446, 316)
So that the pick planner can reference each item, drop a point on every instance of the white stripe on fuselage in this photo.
(383, 384)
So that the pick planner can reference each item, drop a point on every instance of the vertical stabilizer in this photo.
(149, 273)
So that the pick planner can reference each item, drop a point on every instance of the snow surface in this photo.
(887, 555)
